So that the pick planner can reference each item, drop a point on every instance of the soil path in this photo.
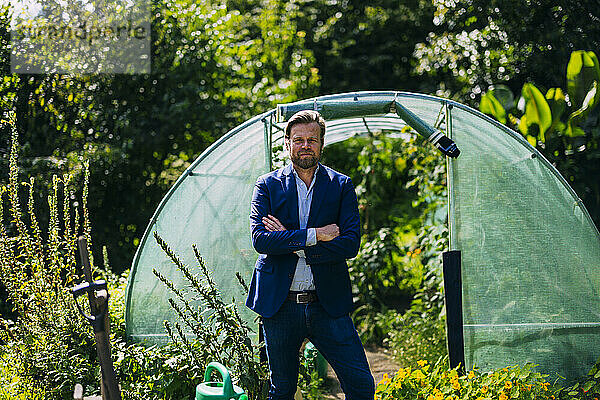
(379, 362)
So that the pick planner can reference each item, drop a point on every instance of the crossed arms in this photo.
(335, 242)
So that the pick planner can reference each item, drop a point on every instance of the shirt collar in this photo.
(312, 182)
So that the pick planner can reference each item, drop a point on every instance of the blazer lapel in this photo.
(291, 196)
(319, 194)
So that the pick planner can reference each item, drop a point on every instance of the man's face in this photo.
(304, 145)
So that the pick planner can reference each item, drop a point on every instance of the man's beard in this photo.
(306, 162)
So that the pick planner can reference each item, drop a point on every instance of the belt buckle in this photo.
(306, 296)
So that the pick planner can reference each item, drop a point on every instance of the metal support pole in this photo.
(453, 300)
(450, 165)
(268, 144)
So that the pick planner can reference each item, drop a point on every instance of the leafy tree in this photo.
(364, 45)
(479, 43)
(212, 68)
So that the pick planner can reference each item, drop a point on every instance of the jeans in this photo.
(335, 338)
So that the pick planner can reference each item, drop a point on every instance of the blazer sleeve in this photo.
(263, 241)
(346, 245)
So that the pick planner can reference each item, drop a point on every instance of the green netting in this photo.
(204, 208)
(530, 253)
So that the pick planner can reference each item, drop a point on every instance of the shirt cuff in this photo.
(311, 236)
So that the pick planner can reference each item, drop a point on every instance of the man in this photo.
(305, 224)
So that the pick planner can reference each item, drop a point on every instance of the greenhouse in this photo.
(530, 274)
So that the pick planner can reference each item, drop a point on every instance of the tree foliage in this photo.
(212, 68)
(479, 43)
(362, 45)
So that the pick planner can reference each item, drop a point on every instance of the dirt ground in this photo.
(379, 362)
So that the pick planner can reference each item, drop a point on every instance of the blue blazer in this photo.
(333, 202)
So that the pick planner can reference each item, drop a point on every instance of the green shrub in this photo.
(585, 388)
(419, 333)
(212, 331)
(437, 382)
(309, 382)
(415, 336)
(48, 346)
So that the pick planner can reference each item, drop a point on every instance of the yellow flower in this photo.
(385, 380)
(471, 375)
(431, 397)
(503, 396)
(455, 385)
(418, 375)
(402, 373)
(439, 395)
(484, 389)
(508, 385)
(422, 363)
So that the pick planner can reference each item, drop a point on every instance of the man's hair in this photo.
(305, 117)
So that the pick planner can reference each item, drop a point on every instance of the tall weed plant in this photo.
(47, 347)
(211, 329)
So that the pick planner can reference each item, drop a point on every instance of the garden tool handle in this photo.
(227, 385)
(99, 286)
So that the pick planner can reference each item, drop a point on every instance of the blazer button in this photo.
(291, 275)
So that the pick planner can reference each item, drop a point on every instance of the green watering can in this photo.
(219, 390)
(315, 359)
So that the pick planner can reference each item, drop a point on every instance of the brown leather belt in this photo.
(303, 297)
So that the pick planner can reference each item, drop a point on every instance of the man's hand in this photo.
(324, 233)
(272, 224)
(328, 232)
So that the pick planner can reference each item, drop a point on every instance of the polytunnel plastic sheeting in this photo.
(204, 208)
(530, 252)
(209, 206)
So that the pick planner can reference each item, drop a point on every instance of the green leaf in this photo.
(504, 95)
(582, 71)
(491, 106)
(588, 385)
(589, 102)
(523, 125)
(537, 110)
(557, 101)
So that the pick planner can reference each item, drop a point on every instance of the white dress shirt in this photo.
(303, 277)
